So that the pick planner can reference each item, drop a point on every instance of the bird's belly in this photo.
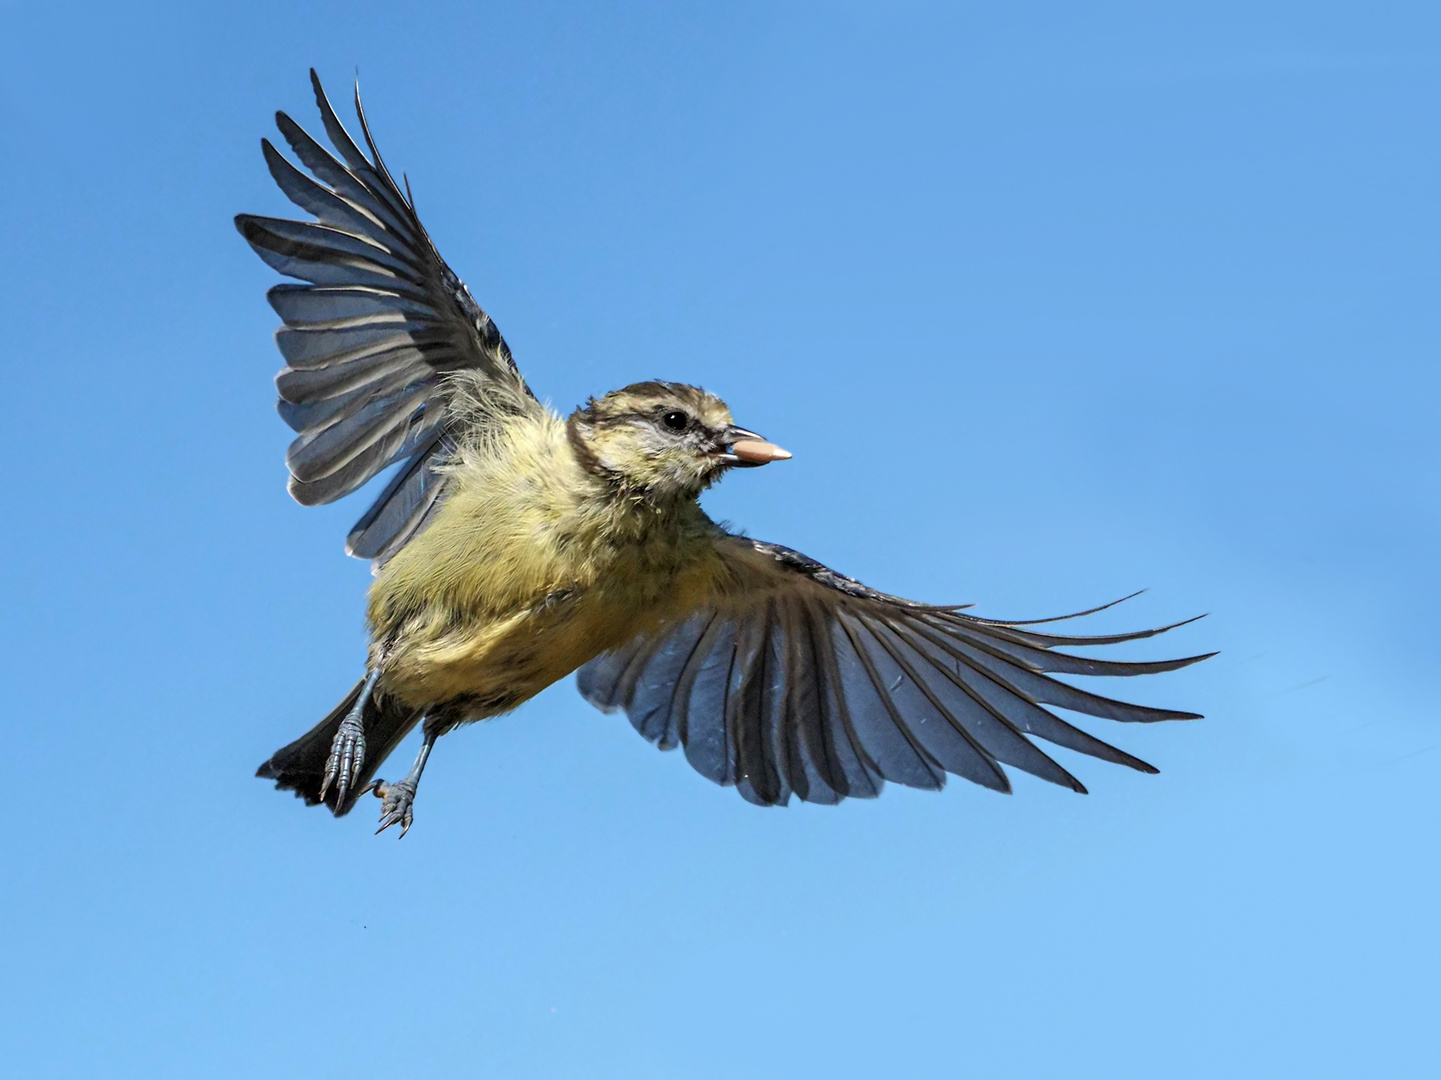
(499, 664)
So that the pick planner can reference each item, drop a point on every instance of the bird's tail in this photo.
(300, 767)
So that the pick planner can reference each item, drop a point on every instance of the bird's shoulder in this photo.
(746, 570)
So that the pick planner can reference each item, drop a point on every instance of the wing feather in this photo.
(757, 777)
(306, 307)
(304, 386)
(862, 776)
(815, 773)
(652, 703)
(985, 722)
(329, 207)
(935, 726)
(794, 679)
(883, 730)
(371, 340)
(703, 730)
(404, 508)
(318, 413)
(1019, 708)
(1003, 644)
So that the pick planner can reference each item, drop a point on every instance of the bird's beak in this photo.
(746, 449)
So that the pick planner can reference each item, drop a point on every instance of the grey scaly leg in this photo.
(397, 800)
(347, 749)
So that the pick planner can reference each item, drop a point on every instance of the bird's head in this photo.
(665, 440)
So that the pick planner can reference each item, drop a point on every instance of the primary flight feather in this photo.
(514, 546)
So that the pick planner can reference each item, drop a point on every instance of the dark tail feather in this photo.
(300, 767)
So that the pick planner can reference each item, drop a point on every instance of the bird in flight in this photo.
(513, 546)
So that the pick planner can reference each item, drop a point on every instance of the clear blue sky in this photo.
(1049, 305)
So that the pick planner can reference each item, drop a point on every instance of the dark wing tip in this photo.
(1181, 623)
(1187, 661)
(1063, 618)
(1175, 714)
(252, 227)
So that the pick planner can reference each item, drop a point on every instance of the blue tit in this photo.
(513, 546)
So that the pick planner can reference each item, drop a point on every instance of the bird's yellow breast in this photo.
(531, 567)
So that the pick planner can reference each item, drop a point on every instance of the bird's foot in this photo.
(347, 756)
(396, 801)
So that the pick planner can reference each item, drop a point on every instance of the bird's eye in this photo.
(676, 420)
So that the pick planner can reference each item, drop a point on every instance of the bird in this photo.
(513, 546)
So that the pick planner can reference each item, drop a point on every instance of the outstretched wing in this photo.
(371, 340)
(795, 679)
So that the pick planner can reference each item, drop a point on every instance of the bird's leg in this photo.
(397, 800)
(347, 749)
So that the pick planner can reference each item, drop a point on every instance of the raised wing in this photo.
(796, 679)
(372, 340)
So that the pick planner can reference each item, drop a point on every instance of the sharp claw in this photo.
(346, 761)
(395, 808)
(332, 769)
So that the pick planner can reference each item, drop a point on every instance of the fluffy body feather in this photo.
(534, 565)
(513, 547)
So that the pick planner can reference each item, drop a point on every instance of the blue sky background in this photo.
(1050, 305)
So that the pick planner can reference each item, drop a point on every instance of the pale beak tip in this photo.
(758, 451)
